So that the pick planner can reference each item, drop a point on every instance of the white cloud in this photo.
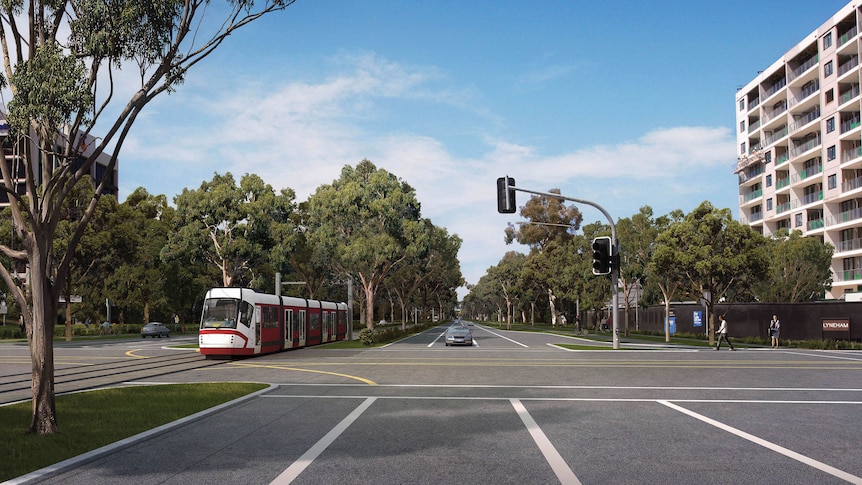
(300, 135)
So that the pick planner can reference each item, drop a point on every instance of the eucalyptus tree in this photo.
(60, 59)
(550, 222)
(636, 236)
(231, 226)
(715, 257)
(800, 269)
(668, 278)
(366, 224)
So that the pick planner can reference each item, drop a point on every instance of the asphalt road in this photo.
(512, 408)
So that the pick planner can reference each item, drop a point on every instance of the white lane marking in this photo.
(504, 337)
(564, 474)
(309, 456)
(769, 445)
(436, 339)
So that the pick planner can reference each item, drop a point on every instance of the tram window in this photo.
(246, 312)
(219, 313)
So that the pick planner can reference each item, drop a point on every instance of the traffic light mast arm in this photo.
(615, 267)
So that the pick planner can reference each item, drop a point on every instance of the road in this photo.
(512, 408)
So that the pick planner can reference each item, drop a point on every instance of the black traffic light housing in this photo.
(603, 255)
(506, 195)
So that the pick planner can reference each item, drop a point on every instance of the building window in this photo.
(769, 180)
(742, 126)
(827, 69)
(832, 181)
(742, 148)
(830, 96)
(830, 125)
(769, 204)
(830, 153)
(827, 41)
(798, 219)
(741, 104)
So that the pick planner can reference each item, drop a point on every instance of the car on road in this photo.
(458, 334)
(155, 329)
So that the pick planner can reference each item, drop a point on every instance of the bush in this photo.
(366, 336)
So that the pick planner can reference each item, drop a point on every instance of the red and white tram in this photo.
(240, 321)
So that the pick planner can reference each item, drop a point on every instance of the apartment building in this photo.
(86, 144)
(800, 145)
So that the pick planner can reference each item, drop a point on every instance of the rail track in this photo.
(17, 387)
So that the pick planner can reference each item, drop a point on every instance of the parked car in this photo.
(155, 329)
(458, 334)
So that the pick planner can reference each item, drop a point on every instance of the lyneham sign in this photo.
(836, 328)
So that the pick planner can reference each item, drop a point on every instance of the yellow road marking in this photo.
(348, 376)
(131, 354)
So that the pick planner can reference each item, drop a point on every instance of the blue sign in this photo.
(671, 325)
(697, 318)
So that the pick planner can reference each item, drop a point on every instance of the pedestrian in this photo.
(774, 330)
(722, 334)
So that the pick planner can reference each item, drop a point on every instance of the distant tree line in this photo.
(702, 254)
(149, 259)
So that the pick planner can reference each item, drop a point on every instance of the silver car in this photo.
(155, 329)
(458, 334)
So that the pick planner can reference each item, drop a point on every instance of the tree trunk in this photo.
(369, 304)
(40, 332)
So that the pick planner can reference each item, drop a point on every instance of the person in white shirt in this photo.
(774, 330)
(722, 334)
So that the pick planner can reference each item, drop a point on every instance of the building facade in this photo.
(800, 145)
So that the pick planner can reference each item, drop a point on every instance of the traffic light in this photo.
(506, 195)
(602, 255)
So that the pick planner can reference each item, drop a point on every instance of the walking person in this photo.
(722, 334)
(774, 330)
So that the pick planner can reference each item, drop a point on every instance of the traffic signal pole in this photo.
(508, 184)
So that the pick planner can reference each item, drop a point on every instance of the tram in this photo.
(243, 322)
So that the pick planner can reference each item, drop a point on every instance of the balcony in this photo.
(782, 183)
(775, 88)
(846, 216)
(848, 275)
(815, 224)
(755, 194)
(848, 66)
(851, 153)
(775, 136)
(848, 95)
(847, 36)
(808, 64)
(753, 126)
(806, 92)
(849, 245)
(850, 124)
(850, 185)
(805, 119)
(804, 146)
(812, 198)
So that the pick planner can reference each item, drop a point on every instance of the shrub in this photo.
(366, 336)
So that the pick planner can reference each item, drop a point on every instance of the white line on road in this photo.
(504, 337)
(558, 464)
(309, 456)
(769, 445)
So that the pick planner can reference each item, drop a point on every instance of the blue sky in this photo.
(621, 103)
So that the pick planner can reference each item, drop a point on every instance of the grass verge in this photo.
(90, 420)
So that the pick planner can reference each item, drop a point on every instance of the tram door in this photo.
(288, 329)
(302, 327)
(325, 326)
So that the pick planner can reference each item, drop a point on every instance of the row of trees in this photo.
(151, 260)
(702, 254)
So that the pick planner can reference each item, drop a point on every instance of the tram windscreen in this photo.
(220, 313)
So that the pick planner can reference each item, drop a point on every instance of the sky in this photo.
(622, 103)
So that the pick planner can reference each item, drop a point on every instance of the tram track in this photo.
(17, 387)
